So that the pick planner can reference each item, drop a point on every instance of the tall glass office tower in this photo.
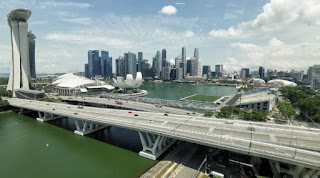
(140, 58)
(104, 58)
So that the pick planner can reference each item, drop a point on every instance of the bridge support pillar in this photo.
(44, 117)
(292, 170)
(86, 127)
(154, 145)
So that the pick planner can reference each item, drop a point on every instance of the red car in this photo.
(119, 102)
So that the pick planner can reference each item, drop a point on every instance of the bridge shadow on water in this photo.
(120, 137)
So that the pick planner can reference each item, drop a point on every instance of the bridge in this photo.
(127, 105)
(280, 144)
(163, 102)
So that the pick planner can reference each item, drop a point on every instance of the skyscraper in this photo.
(32, 60)
(196, 56)
(20, 66)
(158, 64)
(120, 67)
(314, 76)
(261, 72)
(86, 70)
(140, 58)
(90, 64)
(177, 62)
(104, 58)
(94, 63)
(163, 64)
(206, 70)
(245, 73)
(184, 60)
(108, 65)
(219, 70)
(130, 60)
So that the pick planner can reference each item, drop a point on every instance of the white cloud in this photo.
(275, 55)
(88, 38)
(83, 21)
(189, 34)
(169, 10)
(276, 15)
(64, 4)
(230, 33)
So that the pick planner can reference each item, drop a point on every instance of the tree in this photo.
(310, 107)
(286, 110)
(208, 114)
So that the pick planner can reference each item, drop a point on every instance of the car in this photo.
(136, 115)
(129, 112)
(80, 107)
(53, 109)
(119, 103)
(165, 114)
(75, 113)
(188, 113)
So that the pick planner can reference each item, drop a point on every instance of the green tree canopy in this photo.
(286, 109)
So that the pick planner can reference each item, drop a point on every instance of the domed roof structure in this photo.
(256, 81)
(130, 82)
(281, 83)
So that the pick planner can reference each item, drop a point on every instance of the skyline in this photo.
(235, 34)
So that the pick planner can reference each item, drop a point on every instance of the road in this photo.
(290, 144)
(130, 105)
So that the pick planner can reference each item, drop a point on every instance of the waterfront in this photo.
(24, 151)
(112, 152)
(175, 91)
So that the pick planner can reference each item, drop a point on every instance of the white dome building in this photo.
(256, 81)
(281, 83)
(130, 82)
(70, 84)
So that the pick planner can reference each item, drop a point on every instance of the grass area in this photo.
(204, 98)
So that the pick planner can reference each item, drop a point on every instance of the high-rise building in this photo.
(184, 61)
(86, 70)
(130, 64)
(297, 75)
(158, 64)
(206, 70)
(120, 67)
(177, 62)
(247, 72)
(167, 69)
(94, 63)
(32, 60)
(164, 59)
(179, 74)
(192, 67)
(219, 70)
(104, 58)
(140, 57)
(20, 66)
(196, 56)
(90, 64)
(108, 65)
(261, 72)
(314, 76)
(243, 74)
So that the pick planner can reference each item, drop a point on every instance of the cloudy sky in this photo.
(277, 34)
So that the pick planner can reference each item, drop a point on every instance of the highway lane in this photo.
(231, 135)
(130, 105)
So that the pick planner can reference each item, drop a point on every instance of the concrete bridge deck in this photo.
(129, 105)
(288, 144)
